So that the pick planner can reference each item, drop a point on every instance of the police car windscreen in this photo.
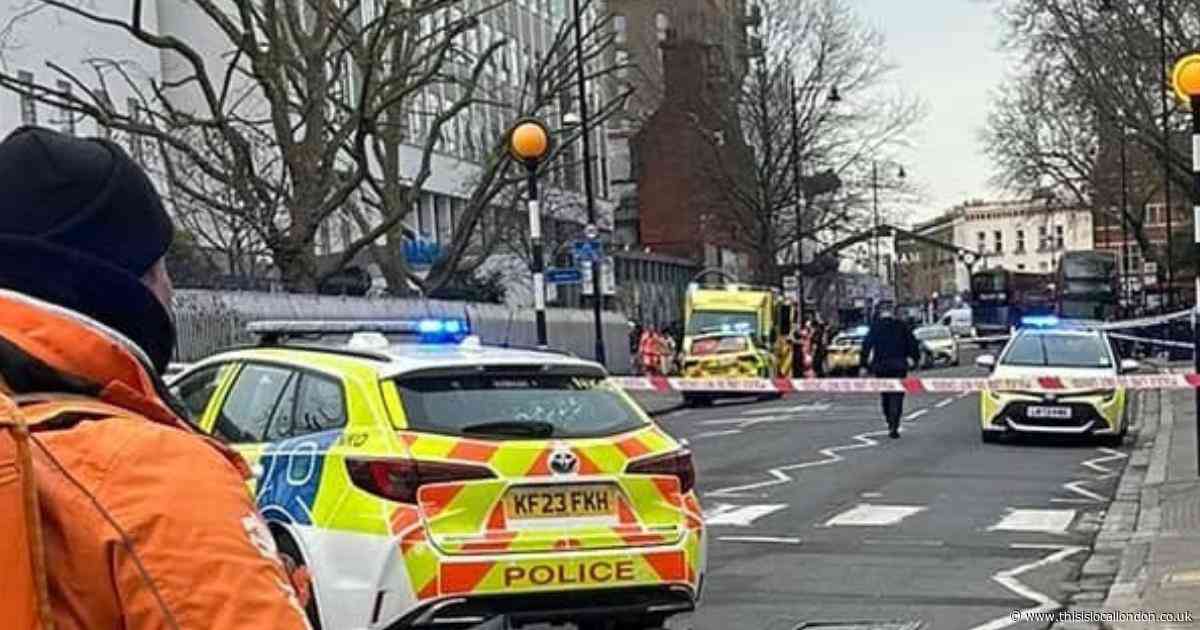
(1046, 350)
(516, 406)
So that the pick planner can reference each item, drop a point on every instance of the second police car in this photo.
(441, 483)
(1045, 348)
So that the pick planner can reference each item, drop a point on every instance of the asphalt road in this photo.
(815, 515)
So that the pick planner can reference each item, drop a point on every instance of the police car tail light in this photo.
(400, 479)
(676, 464)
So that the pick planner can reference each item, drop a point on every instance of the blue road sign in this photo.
(587, 250)
(564, 275)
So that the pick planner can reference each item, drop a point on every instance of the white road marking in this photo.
(867, 515)
(916, 414)
(902, 541)
(1049, 521)
(1008, 578)
(1102, 472)
(780, 475)
(1073, 501)
(760, 539)
(1110, 455)
(964, 395)
(944, 403)
(1077, 487)
(740, 516)
(770, 411)
(871, 495)
(708, 434)
(744, 423)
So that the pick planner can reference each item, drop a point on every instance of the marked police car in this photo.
(440, 483)
(1045, 348)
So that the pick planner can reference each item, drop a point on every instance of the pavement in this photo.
(1148, 551)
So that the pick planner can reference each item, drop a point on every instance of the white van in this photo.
(959, 321)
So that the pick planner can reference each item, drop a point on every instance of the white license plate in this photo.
(1058, 413)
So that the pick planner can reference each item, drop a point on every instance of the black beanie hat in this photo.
(100, 225)
(86, 195)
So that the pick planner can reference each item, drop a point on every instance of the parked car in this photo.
(938, 346)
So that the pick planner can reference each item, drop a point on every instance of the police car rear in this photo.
(436, 482)
(1041, 354)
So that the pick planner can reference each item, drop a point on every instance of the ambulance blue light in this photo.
(1040, 321)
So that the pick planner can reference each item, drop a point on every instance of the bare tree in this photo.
(1091, 72)
(811, 48)
(305, 115)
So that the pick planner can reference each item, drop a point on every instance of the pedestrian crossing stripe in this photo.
(739, 516)
(868, 515)
(1049, 521)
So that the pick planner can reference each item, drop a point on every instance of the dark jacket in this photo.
(889, 345)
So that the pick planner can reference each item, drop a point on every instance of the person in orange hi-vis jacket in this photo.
(140, 522)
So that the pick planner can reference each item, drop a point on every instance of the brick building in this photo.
(688, 60)
(925, 271)
(1141, 242)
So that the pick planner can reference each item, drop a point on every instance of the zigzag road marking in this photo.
(1008, 579)
(780, 475)
(1103, 472)
(830, 455)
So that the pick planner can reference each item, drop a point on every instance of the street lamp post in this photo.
(875, 210)
(589, 192)
(799, 193)
(1166, 138)
(875, 215)
(1125, 280)
(1186, 77)
(529, 144)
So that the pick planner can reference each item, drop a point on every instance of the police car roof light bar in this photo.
(273, 332)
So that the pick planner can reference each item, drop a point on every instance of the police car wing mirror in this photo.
(986, 361)
(1130, 365)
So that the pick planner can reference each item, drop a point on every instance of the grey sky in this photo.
(947, 53)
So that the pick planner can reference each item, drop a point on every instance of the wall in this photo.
(210, 320)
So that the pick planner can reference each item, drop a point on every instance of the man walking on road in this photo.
(886, 352)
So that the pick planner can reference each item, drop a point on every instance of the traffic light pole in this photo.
(1196, 251)
(539, 263)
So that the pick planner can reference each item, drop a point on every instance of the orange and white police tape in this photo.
(912, 385)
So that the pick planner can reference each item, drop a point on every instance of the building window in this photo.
(998, 237)
(1058, 237)
(1020, 241)
(28, 105)
(982, 238)
(1044, 266)
(135, 140)
(620, 26)
(1021, 267)
(1043, 243)
(66, 119)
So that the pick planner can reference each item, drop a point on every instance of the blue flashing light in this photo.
(1040, 321)
(442, 330)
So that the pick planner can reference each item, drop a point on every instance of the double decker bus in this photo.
(1087, 285)
(1000, 298)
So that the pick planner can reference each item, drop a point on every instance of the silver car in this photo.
(938, 346)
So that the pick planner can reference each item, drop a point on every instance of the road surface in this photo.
(815, 515)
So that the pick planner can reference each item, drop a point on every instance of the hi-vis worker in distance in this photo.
(116, 513)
